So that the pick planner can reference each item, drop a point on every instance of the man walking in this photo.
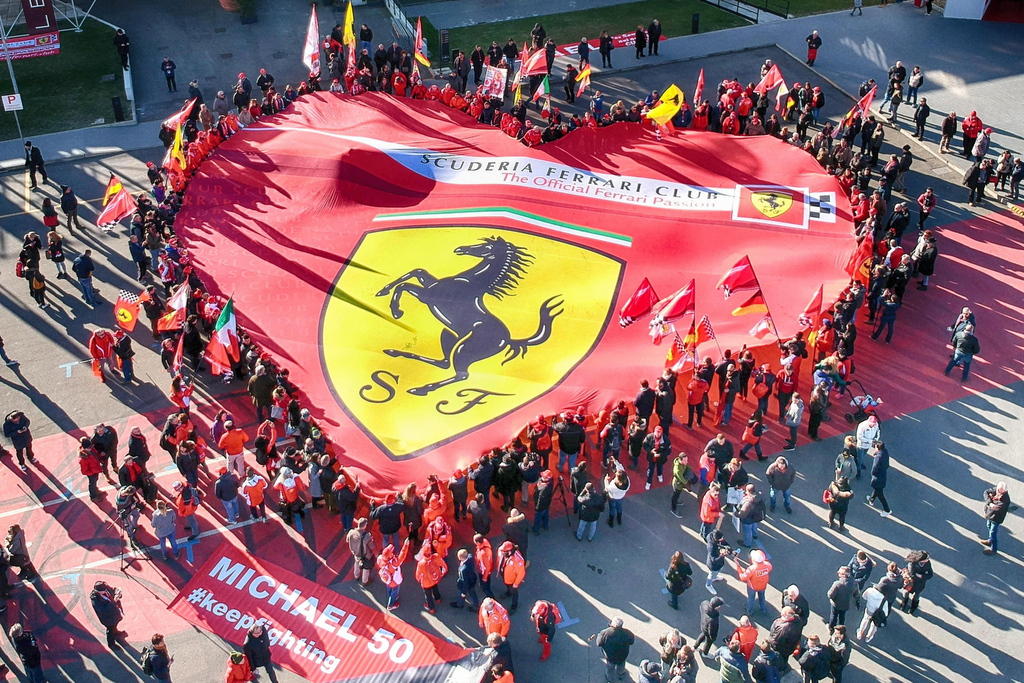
(16, 428)
(879, 472)
(921, 114)
(780, 475)
(83, 269)
(466, 582)
(965, 348)
(840, 594)
(813, 44)
(123, 45)
(232, 442)
(226, 490)
(34, 162)
(615, 641)
(997, 504)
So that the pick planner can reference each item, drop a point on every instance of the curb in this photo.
(14, 165)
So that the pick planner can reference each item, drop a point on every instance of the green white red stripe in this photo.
(222, 351)
(510, 214)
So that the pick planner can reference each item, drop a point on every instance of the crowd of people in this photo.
(295, 466)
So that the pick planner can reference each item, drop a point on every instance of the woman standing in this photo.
(157, 660)
(752, 434)
(253, 489)
(18, 551)
(164, 527)
(837, 496)
(50, 217)
(37, 286)
(710, 510)
(916, 574)
(55, 252)
(605, 47)
(876, 610)
(615, 486)
(678, 577)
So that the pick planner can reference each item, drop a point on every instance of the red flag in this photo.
(813, 308)
(676, 351)
(641, 303)
(179, 354)
(782, 98)
(755, 304)
(859, 264)
(863, 106)
(418, 45)
(659, 331)
(113, 187)
(176, 120)
(763, 328)
(121, 206)
(126, 309)
(771, 79)
(690, 341)
(704, 330)
(676, 306)
(738, 278)
(699, 90)
(175, 317)
(536, 64)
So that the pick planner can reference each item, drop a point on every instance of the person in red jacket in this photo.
(971, 127)
(756, 576)
(785, 386)
(493, 618)
(484, 557)
(710, 510)
(239, 670)
(512, 567)
(430, 569)
(700, 116)
(101, 350)
(545, 617)
(90, 466)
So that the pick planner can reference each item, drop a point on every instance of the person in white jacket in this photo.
(874, 602)
(868, 432)
(615, 487)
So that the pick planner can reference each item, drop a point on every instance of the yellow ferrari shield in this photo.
(124, 315)
(492, 318)
(771, 203)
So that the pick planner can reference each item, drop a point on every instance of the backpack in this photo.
(145, 661)
(826, 497)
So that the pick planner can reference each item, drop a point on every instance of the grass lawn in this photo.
(65, 91)
(568, 27)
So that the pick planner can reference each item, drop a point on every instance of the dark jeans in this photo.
(878, 494)
(430, 596)
(675, 498)
(755, 446)
(695, 411)
(837, 515)
(813, 422)
(976, 193)
(887, 325)
(707, 640)
(835, 617)
(513, 592)
(654, 468)
(269, 668)
(94, 491)
(606, 60)
(22, 452)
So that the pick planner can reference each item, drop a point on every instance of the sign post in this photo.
(16, 97)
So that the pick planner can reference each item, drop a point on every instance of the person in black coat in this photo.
(508, 480)
(106, 603)
(644, 401)
(605, 46)
(257, 650)
(710, 614)
(480, 513)
(784, 635)
(916, 575)
(482, 478)
(28, 650)
(879, 473)
(389, 515)
(640, 38)
(34, 162)
(466, 581)
(921, 114)
(654, 37)
(615, 641)
(997, 504)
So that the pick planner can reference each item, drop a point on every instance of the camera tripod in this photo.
(560, 490)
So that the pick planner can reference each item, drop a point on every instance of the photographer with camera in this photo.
(718, 551)
(997, 504)
(129, 511)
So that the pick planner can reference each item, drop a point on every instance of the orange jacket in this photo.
(512, 568)
(253, 490)
(430, 570)
(747, 635)
(290, 495)
(494, 620)
(710, 508)
(756, 575)
(233, 441)
(239, 673)
(440, 535)
(484, 559)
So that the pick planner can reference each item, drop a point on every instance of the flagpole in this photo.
(771, 318)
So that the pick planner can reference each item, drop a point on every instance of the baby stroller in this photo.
(863, 405)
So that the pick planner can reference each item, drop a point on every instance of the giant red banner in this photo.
(433, 285)
(313, 631)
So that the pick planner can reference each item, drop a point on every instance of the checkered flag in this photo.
(822, 207)
(126, 309)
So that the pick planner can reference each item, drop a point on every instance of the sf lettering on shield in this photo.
(385, 384)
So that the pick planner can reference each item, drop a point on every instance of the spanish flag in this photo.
(755, 304)
(113, 187)
(668, 106)
(418, 45)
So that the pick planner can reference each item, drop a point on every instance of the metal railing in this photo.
(754, 9)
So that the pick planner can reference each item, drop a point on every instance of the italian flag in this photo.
(222, 350)
(544, 89)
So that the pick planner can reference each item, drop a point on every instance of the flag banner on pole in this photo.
(754, 304)
(640, 303)
(770, 81)
(813, 308)
(173, 122)
(660, 330)
(126, 309)
(176, 152)
(543, 89)
(583, 78)
(763, 328)
(311, 49)
(564, 236)
(348, 35)
(781, 96)
(668, 106)
(222, 351)
(704, 330)
(536, 64)
(674, 307)
(121, 206)
(418, 45)
(859, 264)
(738, 278)
(113, 187)
(179, 354)
(699, 90)
(174, 318)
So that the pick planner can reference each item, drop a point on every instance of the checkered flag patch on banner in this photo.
(823, 207)
(128, 297)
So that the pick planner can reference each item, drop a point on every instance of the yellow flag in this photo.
(349, 36)
(178, 149)
(669, 104)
